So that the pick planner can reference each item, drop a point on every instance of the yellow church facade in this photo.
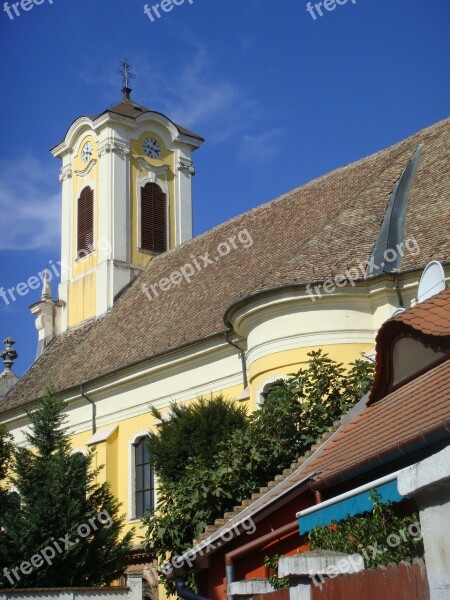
(146, 315)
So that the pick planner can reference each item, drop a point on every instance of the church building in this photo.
(146, 315)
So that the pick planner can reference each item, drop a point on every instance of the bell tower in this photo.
(126, 196)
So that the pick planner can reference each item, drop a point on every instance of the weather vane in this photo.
(127, 74)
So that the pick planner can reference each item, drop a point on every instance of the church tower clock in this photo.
(126, 196)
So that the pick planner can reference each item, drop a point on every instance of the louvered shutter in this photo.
(153, 218)
(85, 233)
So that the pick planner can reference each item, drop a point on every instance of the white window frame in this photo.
(132, 476)
(265, 387)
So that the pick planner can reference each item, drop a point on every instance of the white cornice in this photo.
(78, 127)
(310, 339)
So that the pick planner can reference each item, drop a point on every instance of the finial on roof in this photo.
(46, 288)
(127, 76)
(8, 355)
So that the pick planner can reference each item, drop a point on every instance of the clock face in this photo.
(151, 148)
(86, 152)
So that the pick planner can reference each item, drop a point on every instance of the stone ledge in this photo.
(320, 562)
(430, 472)
(249, 587)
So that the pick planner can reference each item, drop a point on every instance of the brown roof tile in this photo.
(311, 233)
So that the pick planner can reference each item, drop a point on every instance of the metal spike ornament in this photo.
(127, 75)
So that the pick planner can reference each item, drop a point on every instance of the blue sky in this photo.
(280, 98)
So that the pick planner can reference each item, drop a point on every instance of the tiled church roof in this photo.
(312, 233)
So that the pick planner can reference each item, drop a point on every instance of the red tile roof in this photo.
(431, 317)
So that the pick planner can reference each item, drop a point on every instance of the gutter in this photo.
(302, 286)
(105, 376)
(350, 494)
(242, 356)
(94, 409)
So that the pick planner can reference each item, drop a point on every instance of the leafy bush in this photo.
(192, 431)
(380, 536)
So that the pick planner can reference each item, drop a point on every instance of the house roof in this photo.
(413, 417)
(312, 233)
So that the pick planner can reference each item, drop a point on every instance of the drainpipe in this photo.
(398, 290)
(183, 592)
(253, 545)
(94, 411)
(242, 355)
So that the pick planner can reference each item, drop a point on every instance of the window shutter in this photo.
(85, 233)
(153, 218)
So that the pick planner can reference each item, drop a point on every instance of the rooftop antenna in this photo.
(127, 75)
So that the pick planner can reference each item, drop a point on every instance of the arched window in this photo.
(267, 385)
(85, 223)
(144, 481)
(153, 218)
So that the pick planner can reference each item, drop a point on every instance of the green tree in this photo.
(6, 450)
(6, 453)
(62, 510)
(296, 413)
(192, 431)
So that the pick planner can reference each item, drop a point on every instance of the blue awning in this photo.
(354, 505)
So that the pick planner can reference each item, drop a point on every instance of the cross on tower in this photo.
(127, 76)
